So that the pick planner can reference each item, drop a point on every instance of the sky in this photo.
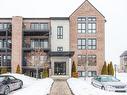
(115, 12)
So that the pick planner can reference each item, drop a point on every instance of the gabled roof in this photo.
(124, 54)
(90, 4)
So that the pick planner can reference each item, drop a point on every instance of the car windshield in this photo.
(2, 78)
(109, 79)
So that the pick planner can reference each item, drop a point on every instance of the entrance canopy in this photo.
(62, 53)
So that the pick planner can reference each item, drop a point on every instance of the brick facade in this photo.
(86, 10)
(16, 43)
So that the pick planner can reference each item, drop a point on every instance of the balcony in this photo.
(4, 48)
(28, 48)
(5, 29)
(28, 65)
(36, 32)
(6, 63)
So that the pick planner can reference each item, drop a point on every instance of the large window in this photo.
(81, 59)
(39, 43)
(82, 43)
(42, 59)
(59, 32)
(92, 60)
(81, 28)
(39, 26)
(92, 28)
(89, 43)
(86, 25)
(92, 43)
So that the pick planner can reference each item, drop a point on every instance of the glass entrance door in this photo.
(60, 68)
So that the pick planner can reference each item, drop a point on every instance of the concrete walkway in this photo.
(60, 87)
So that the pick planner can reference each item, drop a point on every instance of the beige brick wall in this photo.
(86, 9)
(16, 42)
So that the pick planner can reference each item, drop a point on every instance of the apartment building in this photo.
(56, 41)
(123, 62)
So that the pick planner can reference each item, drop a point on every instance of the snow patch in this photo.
(32, 86)
(79, 86)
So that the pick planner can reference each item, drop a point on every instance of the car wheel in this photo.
(7, 90)
(103, 88)
(92, 83)
(21, 84)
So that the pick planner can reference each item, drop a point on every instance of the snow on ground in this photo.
(80, 86)
(122, 77)
(32, 86)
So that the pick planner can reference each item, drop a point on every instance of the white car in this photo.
(110, 83)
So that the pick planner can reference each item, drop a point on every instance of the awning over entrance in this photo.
(62, 53)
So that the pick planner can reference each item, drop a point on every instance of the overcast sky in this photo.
(115, 12)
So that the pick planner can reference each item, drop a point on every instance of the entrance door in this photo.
(60, 68)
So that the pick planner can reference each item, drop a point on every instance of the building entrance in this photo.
(60, 68)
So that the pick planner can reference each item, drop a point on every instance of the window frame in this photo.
(91, 45)
(86, 21)
(80, 58)
(59, 32)
(92, 56)
(39, 43)
(82, 45)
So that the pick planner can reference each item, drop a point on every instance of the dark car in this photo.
(9, 83)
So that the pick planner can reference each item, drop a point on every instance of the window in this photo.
(81, 74)
(92, 43)
(91, 18)
(92, 28)
(45, 43)
(4, 25)
(39, 43)
(1, 44)
(82, 43)
(81, 28)
(39, 26)
(86, 25)
(81, 59)
(81, 18)
(60, 32)
(92, 73)
(59, 49)
(81, 25)
(12, 78)
(92, 60)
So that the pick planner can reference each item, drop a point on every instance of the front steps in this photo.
(60, 77)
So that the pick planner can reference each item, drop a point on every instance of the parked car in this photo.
(9, 83)
(110, 83)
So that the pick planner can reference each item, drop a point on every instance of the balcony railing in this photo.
(3, 48)
(28, 47)
(6, 62)
(7, 28)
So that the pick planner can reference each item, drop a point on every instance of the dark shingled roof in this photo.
(124, 54)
